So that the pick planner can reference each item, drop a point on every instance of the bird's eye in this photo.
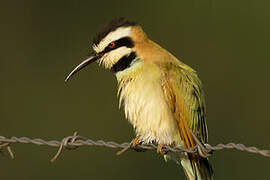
(111, 45)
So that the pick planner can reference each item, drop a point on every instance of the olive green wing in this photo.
(183, 92)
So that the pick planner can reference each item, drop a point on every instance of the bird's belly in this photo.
(146, 109)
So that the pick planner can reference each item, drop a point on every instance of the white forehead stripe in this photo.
(112, 36)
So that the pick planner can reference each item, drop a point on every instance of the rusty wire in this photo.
(75, 141)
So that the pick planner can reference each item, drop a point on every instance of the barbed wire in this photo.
(75, 141)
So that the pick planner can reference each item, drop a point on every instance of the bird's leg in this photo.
(160, 149)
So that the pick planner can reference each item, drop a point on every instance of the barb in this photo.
(65, 143)
(75, 141)
(7, 146)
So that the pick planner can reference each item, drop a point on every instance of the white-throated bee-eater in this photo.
(162, 97)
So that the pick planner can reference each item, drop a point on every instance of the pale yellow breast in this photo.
(144, 104)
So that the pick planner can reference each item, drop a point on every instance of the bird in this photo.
(161, 96)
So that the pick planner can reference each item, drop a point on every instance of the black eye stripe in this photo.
(125, 41)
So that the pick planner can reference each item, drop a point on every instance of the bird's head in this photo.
(114, 46)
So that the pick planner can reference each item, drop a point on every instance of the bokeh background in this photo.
(227, 42)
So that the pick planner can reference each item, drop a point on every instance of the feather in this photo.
(184, 95)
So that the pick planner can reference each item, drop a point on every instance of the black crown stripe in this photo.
(111, 26)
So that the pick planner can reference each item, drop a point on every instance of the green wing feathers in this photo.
(183, 92)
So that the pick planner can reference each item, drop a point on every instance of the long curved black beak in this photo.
(91, 58)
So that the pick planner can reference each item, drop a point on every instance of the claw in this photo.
(136, 141)
(160, 149)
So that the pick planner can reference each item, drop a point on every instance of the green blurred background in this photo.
(227, 42)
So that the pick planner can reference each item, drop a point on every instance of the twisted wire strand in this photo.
(75, 141)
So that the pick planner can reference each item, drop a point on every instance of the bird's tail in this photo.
(197, 168)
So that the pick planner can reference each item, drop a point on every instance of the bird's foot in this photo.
(133, 145)
(161, 150)
(136, 141)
